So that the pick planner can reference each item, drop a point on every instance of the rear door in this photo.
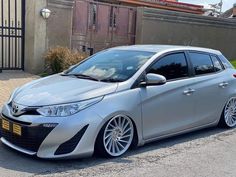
(210, 87)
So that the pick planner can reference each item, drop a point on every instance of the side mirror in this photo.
(153, 80)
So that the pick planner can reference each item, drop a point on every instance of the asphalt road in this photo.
(210, 152)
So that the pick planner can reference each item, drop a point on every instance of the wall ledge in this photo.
(180, 17)
(61, 3)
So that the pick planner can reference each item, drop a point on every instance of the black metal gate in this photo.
(12, 29)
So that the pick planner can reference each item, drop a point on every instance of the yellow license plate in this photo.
(5, 125)
(17, 129)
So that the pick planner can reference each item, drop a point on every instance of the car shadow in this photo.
(12, 160)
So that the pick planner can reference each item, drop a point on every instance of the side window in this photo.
(217, 65)
(202, 63)
(172, 66)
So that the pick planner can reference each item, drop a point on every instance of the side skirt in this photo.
(182, 132)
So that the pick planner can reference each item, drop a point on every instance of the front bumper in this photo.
(53, 138)
(17, 148)
(31, 136)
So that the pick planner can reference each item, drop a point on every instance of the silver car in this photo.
(120, 98)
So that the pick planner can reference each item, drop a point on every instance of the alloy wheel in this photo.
(118, 135)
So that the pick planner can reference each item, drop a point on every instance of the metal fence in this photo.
(12, 22)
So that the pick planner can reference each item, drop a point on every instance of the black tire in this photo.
(222, 123)
(99, 147)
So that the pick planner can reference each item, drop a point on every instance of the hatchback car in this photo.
(118, 98)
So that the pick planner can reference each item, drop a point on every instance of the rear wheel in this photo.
(115, 137)
(228, 118)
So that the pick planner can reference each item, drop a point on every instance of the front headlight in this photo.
(69, 109)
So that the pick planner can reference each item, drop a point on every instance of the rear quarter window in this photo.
(225, 62)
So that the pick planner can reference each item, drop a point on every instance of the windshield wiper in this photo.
(81, 76)
(111, 80)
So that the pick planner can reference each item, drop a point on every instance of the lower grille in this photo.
(31, 138)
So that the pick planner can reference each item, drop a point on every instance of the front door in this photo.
(168, 108)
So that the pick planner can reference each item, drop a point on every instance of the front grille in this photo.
(26, 111)
(71, 144)
(30, 111)
(31, 138)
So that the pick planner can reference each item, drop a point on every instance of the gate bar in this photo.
(9, 33)
(23, 34)
(2, 33)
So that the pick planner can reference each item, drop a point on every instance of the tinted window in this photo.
(216, 63)
(172, 66)
(202, 63)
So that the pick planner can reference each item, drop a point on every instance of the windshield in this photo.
(111, 65)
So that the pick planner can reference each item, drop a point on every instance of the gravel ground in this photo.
(210, 152)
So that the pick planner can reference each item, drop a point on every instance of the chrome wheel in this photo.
(118, 135)
(230, 113)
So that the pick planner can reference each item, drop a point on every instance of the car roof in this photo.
(163, 48)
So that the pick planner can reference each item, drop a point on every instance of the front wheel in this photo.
(228, 118)
(115, 137)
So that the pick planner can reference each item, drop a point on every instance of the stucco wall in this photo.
(41, 34)
(35, 36)
(59, 25)
(167, 27)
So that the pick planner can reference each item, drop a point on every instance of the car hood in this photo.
(59, 89)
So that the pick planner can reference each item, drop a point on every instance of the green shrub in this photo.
(59, 59)
(233, 62)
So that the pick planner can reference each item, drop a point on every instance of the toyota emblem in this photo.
(15, 109)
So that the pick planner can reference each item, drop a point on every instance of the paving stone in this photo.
(9, 80)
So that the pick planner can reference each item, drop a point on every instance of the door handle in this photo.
(223, 84)
(189, 92)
